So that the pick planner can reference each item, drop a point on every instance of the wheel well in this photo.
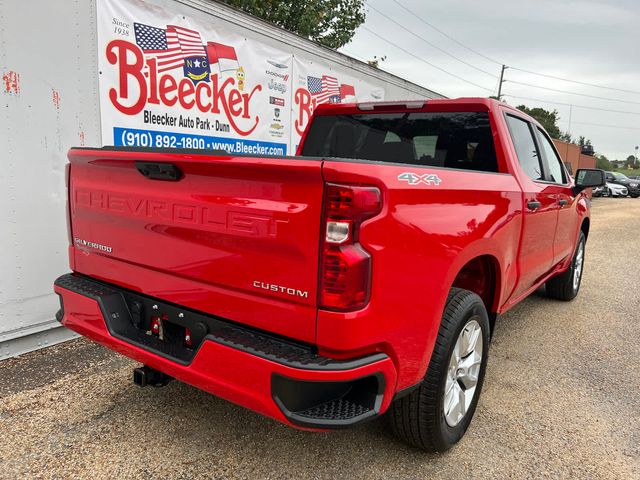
(481, 276)
(585, 227)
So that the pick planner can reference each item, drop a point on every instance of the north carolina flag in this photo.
(347, 91)
(222, 56)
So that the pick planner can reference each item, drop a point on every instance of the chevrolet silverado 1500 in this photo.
(360, 277)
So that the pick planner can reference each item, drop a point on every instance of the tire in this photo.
(609, 193)
(566, 286)
(420, 418)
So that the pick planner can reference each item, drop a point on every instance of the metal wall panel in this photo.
(48, 96)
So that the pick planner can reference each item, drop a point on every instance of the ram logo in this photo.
(279, 288)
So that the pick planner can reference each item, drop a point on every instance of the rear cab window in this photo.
(460, 140)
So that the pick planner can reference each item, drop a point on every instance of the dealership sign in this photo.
(169, 81)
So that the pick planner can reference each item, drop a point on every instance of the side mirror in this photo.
(589, 177)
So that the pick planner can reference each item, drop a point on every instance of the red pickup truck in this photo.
(360, 277)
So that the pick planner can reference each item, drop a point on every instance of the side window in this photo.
(555, 164)
(425, 146)
(569, 168)
(525, 147)
(391, 137)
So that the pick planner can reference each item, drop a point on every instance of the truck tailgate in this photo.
(235, 237)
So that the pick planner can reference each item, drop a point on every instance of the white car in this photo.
(615, 190)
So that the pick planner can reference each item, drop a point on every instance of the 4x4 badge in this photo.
(415, 179)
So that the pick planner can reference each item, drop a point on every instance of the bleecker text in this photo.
(307, 106)
(216, 96)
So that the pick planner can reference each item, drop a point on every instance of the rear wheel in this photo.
(435, 416)
(566, 285)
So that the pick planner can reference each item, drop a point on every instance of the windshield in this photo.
(620, 176)
(440, 139)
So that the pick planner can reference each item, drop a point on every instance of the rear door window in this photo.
(556, 168)
(526, 149)
(460, 140)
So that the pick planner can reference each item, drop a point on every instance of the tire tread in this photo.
(560, 287)
(414, 418)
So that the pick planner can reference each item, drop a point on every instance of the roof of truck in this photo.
(446, 104)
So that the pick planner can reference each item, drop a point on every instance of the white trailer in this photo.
(60, 63)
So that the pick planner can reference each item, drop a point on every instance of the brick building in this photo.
(572, 156)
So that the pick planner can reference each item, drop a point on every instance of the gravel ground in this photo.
(561, 400)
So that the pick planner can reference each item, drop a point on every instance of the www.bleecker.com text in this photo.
(184, 121)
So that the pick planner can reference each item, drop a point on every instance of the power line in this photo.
(635, 92)
(573, 93)
(430, 43)
(425, 61)
(571, 105)
(575, 81)
(444, 33)
(357, 57)
(606, 126)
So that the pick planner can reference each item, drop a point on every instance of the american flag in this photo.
(324, 89)
(171, 46)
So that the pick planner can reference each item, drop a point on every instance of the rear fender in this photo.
(483, 247)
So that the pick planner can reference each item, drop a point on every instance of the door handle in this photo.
(159, 171)
(533, 204)
(562, 202)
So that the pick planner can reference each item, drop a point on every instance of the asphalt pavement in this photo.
(561, 399)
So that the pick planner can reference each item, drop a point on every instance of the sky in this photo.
(591, 41)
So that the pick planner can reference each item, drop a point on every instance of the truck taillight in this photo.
(345, 271)
(67, 177)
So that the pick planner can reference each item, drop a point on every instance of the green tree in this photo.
(329, 22)
(566, 137)
(547, 118)
(603, 163)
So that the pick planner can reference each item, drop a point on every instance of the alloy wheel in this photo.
(463, 372)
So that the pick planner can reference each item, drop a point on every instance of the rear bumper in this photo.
(275, 377)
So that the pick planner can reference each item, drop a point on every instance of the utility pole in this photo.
(570, 112)
(502, 80)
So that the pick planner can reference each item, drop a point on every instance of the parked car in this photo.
(616, 190)
(599, 192)
(633, 186)
(323, 290)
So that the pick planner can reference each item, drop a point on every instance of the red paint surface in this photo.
(202, 242)
(55, 98)
(234, 375)
(11, 81)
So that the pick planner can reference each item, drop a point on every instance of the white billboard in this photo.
(315, 83)
(167, 80)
